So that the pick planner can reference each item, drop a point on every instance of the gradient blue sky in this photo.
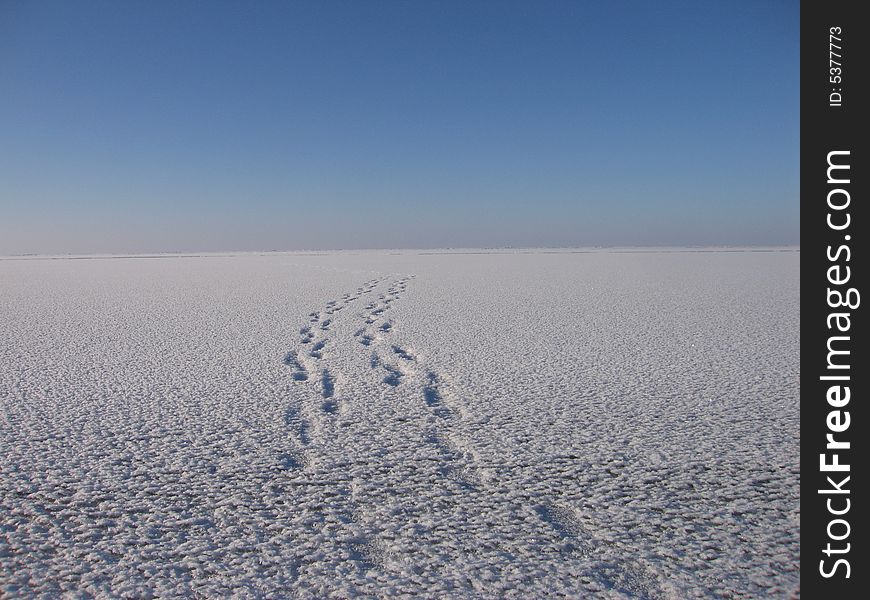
(178, 126)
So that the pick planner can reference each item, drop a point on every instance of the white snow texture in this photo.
(511, 424)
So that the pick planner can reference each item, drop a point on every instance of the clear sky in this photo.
(143, 126)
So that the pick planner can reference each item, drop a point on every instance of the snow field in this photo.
(570, 424)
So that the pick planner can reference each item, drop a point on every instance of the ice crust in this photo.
(400, 424)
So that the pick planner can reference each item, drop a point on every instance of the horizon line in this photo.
(419, 251)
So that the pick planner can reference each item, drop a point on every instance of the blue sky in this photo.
(179, 126)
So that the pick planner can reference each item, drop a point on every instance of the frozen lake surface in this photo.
(386, 424)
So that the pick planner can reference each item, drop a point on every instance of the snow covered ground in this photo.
(385, 424)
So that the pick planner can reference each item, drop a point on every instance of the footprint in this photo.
(432, 396)
(328, 383)
(386, 327)
(629, 576)
(290, 461)
(325, 325)
(294, 420)
(404, 354)
(457, 464)
(393, 376)
(316, 349)
(297, 371)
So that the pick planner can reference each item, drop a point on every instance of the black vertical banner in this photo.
(834, 391)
